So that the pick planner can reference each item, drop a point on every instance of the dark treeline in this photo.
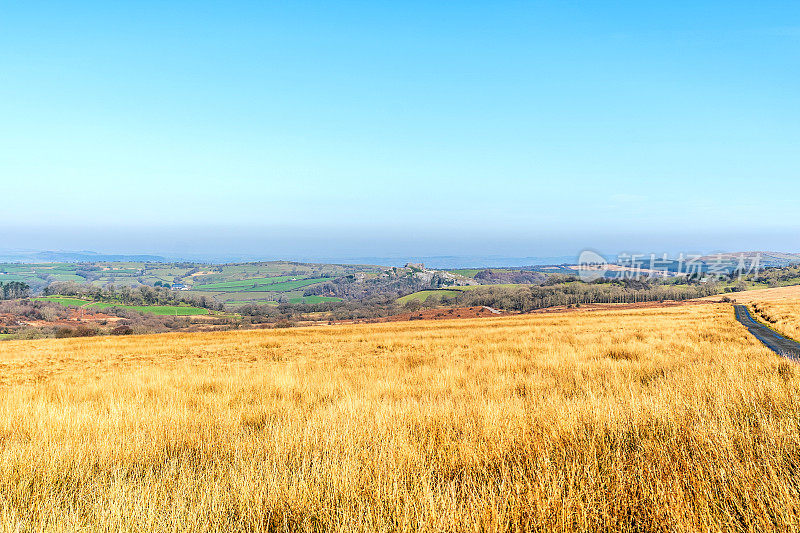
(142, 295)
(537, 297)
(371, 307)
(519, 299)
(14, 289)
(489, 276)
(776, 276)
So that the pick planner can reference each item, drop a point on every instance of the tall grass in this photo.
(783, 316)
(640, 420)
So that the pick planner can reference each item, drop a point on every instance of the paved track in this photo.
(772, 340)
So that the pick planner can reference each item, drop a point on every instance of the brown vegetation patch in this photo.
(442, 314)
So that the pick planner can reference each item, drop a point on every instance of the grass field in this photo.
(276, 284)
(467, 272)
(776, 294)
(670, 419)
(176, 310)
(422, 296)
(782, 316)
(63, 300)
(67, 277)
(5, 278)
(241, 284)
(313, 299)
(179, 310)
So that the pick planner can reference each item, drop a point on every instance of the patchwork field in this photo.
(651, 419)
(233, 284)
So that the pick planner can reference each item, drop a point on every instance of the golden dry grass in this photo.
(782, 316)
(775, 294)
(653, 419)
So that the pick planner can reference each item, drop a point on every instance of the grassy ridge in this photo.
(661, 419)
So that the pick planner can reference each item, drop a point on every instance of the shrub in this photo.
(122, 330)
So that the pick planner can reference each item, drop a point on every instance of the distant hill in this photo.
(766, 259)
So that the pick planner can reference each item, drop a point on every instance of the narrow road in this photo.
(772, 340)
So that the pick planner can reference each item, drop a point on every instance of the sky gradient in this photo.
(363, 128)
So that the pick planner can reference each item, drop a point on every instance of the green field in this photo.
(179, 310)
(66, 277)
(63, 300)
(260, 285)
(118, 272)
(171, 310)
(240, 285)
(453, 291)
(466, 272)
(5, 278)
(422, 296)
(313, 299)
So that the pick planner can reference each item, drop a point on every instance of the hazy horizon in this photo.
(216, 244)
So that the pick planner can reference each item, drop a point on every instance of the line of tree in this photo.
(520, 299)
(12, 290)
(536, 297)
(143, 295)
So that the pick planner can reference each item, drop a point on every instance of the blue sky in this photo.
(370, 128)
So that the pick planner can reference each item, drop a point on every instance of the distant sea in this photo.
(440, 262)
(449, 262)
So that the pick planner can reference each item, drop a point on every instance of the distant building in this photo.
(179, 287)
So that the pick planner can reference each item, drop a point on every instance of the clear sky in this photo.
(377, 128)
